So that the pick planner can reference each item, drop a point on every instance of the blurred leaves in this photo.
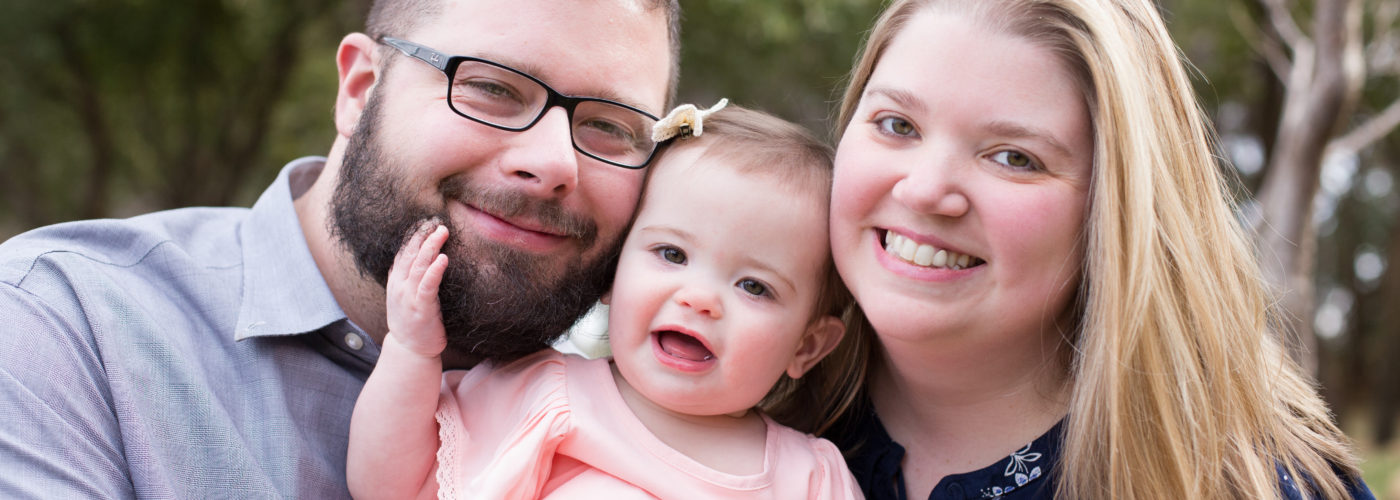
(788, 57)
(119, 107)
(122, 106)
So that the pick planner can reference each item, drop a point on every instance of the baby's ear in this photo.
(822, 335)
(606, 298)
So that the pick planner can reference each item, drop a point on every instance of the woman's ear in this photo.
(822, 335)
(358, 62)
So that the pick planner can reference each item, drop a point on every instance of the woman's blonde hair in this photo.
(756, 143)
(1178, 387)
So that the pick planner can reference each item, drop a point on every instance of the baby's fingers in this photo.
(432, 277)
(403, 261)
(428, 253)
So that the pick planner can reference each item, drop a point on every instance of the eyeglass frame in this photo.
(448, 65)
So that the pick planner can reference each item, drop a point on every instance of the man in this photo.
(217, 352)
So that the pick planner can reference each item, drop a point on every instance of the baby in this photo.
(724, 289)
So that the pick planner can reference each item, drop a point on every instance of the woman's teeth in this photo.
(926, 255)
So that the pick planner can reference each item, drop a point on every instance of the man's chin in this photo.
(501, 304)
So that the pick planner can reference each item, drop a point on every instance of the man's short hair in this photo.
(400, 17)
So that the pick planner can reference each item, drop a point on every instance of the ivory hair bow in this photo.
(684, 121)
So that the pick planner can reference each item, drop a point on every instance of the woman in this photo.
(1028, 210)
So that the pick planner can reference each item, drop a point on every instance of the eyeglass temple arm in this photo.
(430, 56)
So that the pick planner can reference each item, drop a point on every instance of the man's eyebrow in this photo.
(537, 71)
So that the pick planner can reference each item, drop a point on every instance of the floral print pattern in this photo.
(1020, 470)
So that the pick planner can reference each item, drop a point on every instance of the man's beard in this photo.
(498, 302)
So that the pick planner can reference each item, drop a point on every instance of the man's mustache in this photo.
(507, 204)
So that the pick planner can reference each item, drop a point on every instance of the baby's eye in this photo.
(672, 254)
(896, 125)
(1015, 159)
(753, 287)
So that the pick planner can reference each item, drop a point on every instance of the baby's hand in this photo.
(415, 316)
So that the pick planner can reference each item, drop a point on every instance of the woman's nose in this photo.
(934, 188)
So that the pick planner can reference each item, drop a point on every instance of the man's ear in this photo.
(822, 335)
(358, 62)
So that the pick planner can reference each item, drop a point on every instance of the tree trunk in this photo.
(1321, 89)
(1387, 373)
(88, 107)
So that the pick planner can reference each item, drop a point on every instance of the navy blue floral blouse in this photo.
(1026, 474)
(876, 460)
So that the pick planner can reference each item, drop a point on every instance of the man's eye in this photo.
(753, 287)
(673, 255)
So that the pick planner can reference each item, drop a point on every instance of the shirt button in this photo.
(955, 490)
(353, 341)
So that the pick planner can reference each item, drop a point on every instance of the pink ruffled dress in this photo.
(553, 425)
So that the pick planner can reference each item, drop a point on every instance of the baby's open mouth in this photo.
(922, 255)
(683, 346)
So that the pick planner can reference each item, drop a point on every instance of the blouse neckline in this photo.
(876, 461)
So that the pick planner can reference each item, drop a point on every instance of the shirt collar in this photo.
(876, 461)
(283, 290)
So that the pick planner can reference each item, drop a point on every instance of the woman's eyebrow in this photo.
(1020, 131)
(901, 97)
(912, 102)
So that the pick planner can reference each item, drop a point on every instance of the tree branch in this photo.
(1383, 18)
(1383, 53)
(1372, 130)
(1283, 23)
(1264, 42)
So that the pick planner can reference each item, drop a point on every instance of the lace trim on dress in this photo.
(449, 435)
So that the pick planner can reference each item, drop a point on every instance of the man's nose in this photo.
(544, 161)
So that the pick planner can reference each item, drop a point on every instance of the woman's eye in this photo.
(1014, 159)
(753, 287)
(673, 255)
(895, 125)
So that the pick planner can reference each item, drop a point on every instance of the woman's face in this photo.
(961, 185)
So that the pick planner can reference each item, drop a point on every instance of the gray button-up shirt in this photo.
(191, 353)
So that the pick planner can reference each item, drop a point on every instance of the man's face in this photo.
(535, 225)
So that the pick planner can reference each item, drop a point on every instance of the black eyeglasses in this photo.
(503, 97)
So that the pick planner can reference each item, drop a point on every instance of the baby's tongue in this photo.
(683, 346)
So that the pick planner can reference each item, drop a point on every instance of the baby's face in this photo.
(716, 285)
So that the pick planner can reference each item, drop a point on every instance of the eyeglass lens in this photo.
(508, 99)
